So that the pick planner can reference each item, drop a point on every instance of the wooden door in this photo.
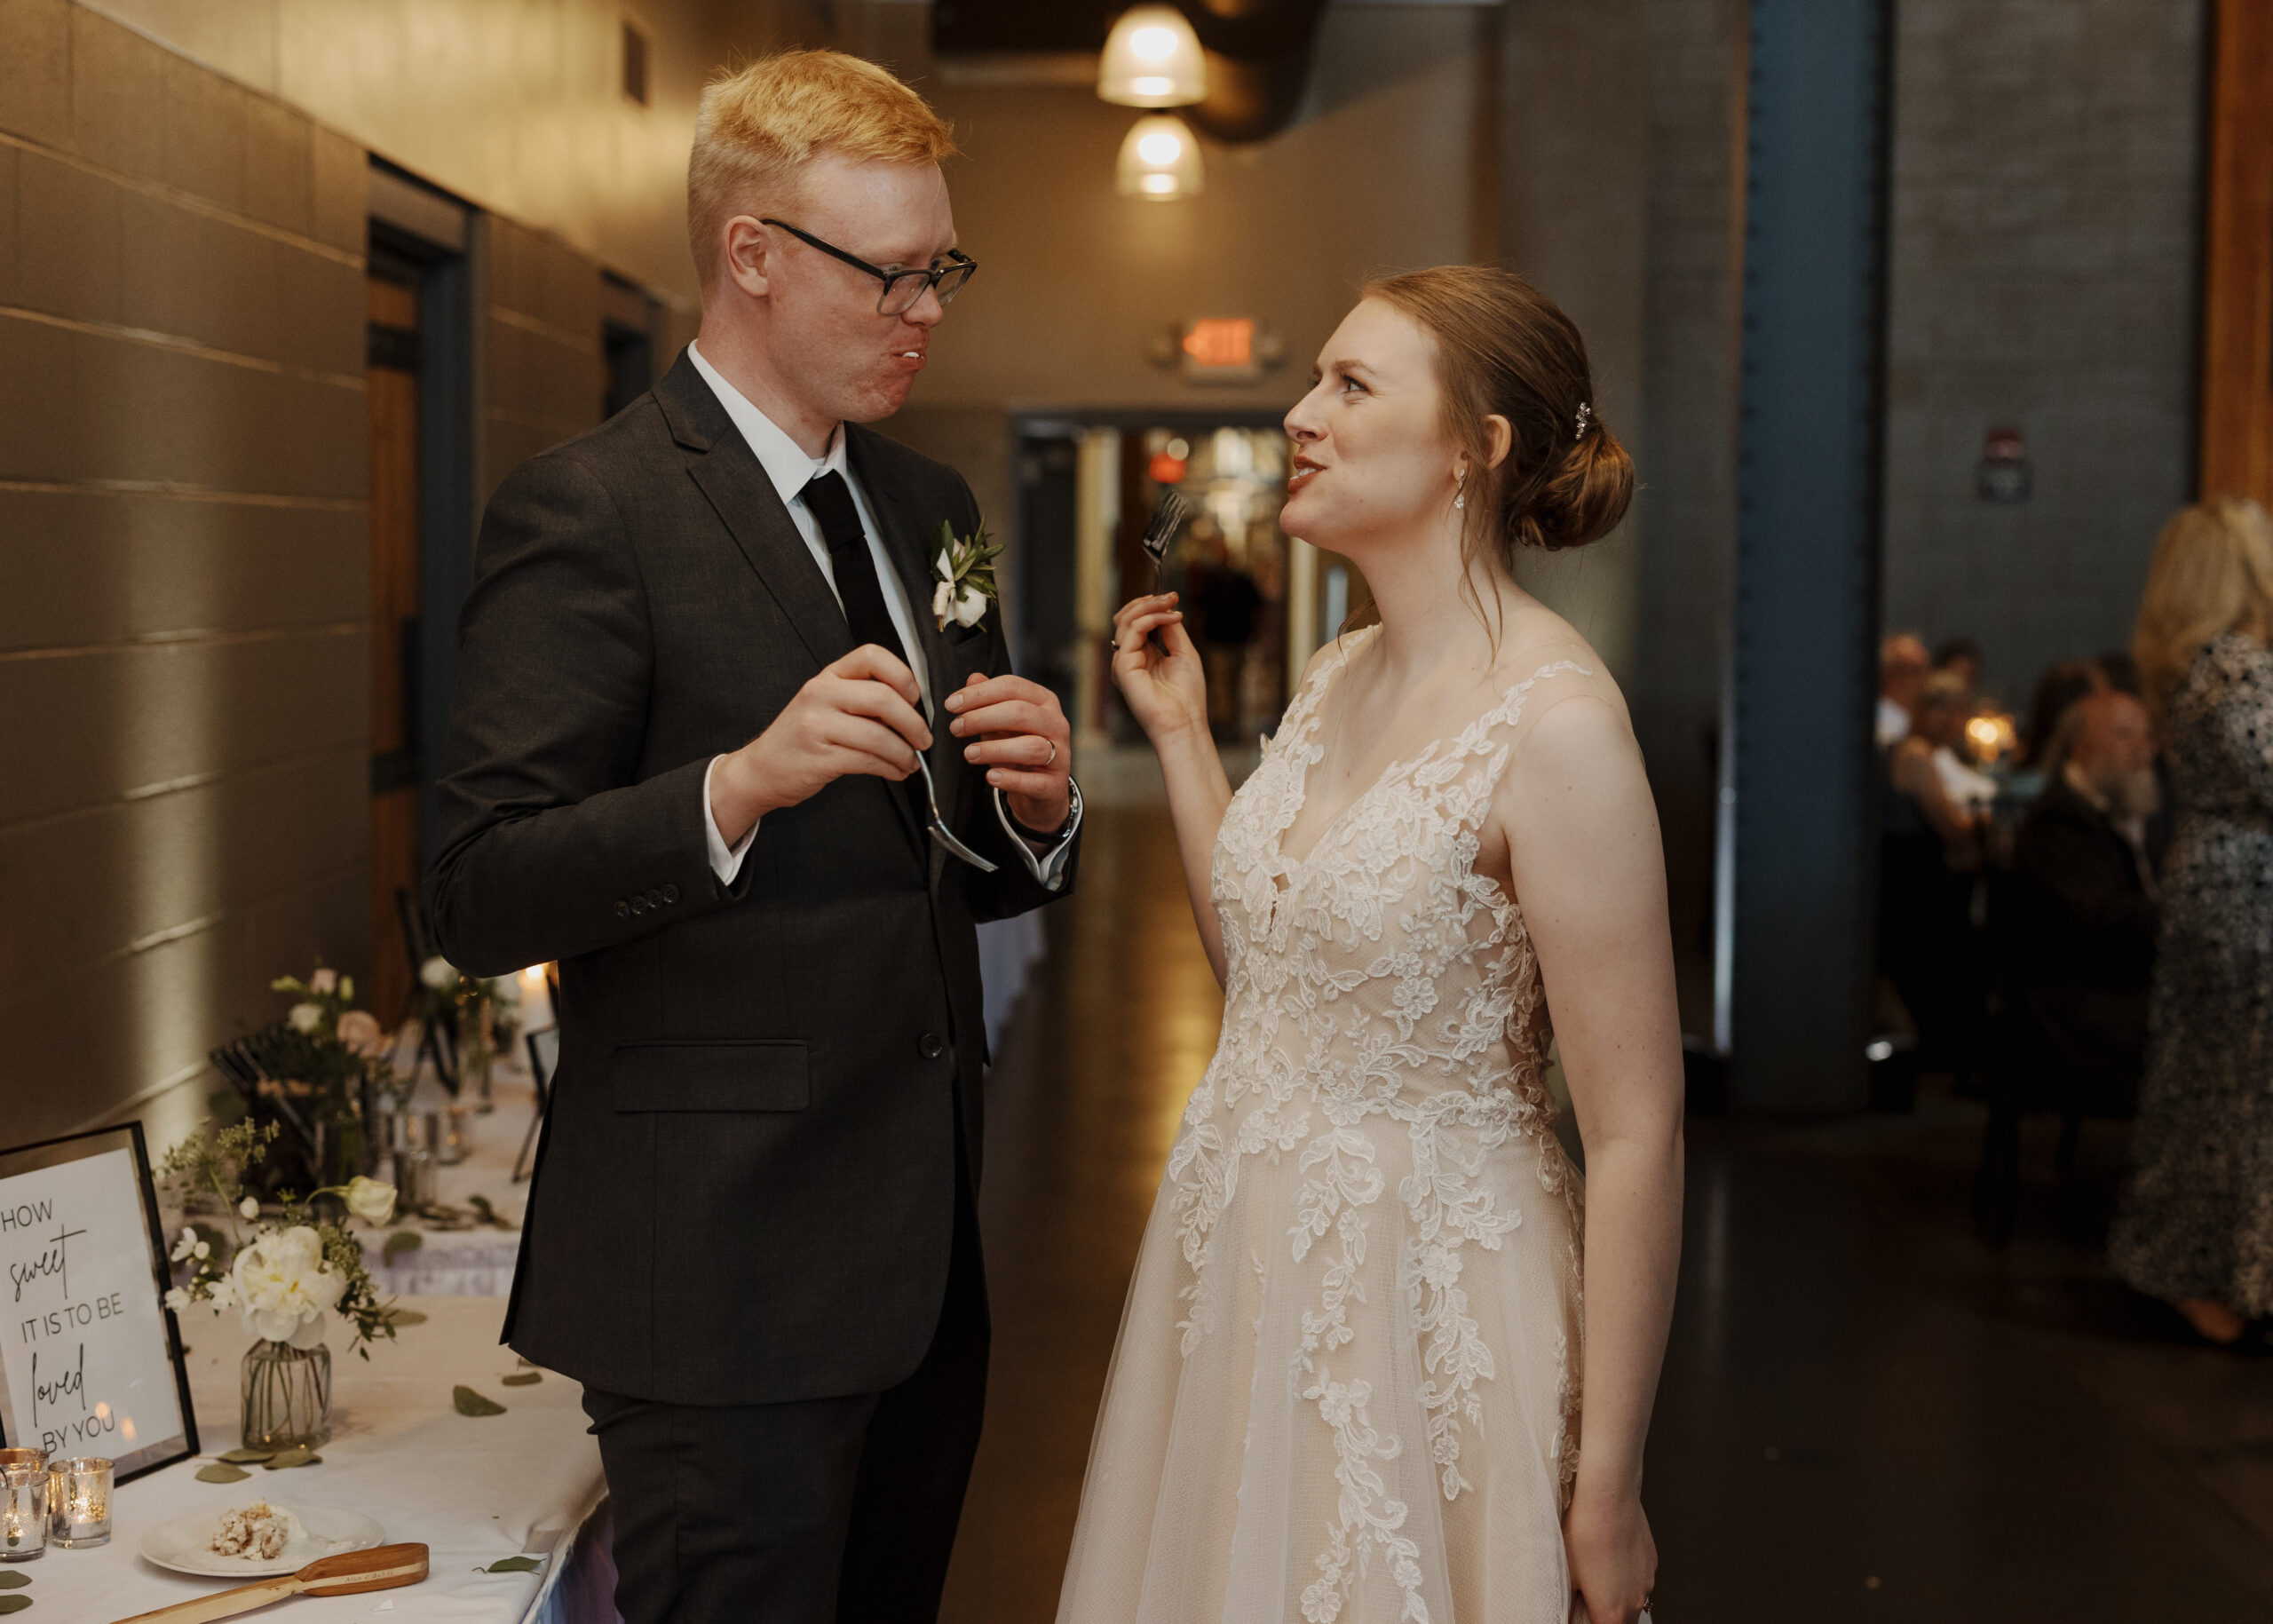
(2238, 257)
(395, 771)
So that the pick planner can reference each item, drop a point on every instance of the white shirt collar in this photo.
(784, 460)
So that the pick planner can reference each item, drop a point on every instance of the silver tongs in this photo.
(938, 827)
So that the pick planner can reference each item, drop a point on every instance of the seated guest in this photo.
(2085, 894)
(1926, 767)
(2057, 692)
(1930, 854)
(1901, 669)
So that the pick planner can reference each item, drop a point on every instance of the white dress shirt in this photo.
(790, 470)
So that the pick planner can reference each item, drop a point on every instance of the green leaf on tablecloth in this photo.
(295, 1457)
(402, 1241)
(522, 1378)
(11, 1579)
(219, 1472)
(405, 1316)
(246, 1456)
(14, 1604)
(512, 1565)
(471, 1403)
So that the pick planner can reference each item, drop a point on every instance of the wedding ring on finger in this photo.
(1052, 759)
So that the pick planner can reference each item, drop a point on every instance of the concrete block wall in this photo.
(183, 663)
(2044, 272)
(541, 375)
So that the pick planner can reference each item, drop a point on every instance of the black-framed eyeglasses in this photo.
(901, 289)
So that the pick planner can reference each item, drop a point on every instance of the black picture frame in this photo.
(158, 1453)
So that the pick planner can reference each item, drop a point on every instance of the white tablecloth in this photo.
(473, 1490)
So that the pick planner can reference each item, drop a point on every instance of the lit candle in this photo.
(78, 1500)
(23, 1504)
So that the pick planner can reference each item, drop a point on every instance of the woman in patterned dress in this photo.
(2195, 1225)
(1347, 1389)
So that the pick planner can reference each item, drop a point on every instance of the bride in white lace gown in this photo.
(1349, 1379)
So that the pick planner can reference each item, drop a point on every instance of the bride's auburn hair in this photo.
(1503, 347)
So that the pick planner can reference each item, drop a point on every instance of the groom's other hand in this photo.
(857, 717)
(1020, 736)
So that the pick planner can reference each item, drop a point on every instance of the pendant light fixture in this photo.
(1159, 160)
(1153, 60)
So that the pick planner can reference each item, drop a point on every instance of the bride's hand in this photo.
(1165, 684)
(1613, 1560)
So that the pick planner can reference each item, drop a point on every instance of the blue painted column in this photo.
(1798, 785)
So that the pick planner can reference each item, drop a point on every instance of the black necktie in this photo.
(830, 501)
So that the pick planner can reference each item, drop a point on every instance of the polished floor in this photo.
(1866, 1414)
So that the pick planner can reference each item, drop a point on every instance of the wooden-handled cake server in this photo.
(381, 1568)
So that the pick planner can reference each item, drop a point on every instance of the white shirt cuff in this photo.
(725, 862)
(1048, 865)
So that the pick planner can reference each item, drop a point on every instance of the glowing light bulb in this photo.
(1160, 184)
(1154, 42)
(1152, 58)
(1161, 148)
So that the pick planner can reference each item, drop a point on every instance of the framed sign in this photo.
(90, 1361)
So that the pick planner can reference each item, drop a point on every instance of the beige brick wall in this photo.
(183, 627)
(542, 379)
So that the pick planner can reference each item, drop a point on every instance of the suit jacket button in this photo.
(638, 905)
(655, 898)
(623, 908)
(931, 1045)
(670, 893)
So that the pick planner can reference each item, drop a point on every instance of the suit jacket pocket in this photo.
(752, 1074)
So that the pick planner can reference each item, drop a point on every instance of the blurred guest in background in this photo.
(2056, 691)
(2085, 889)
(1227, 601)
(1959, 657)
(1901, 669)
(2122, 673)
(1930, 850)
(2195, 1225)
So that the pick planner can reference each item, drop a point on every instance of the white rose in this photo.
(358, 1030)
(283, 1288)
(249, 1208)
(323, 981)
(943, 567)
(439, 973)
(370, 1200)
(943, 601)
(970, 608)
(306, 1017)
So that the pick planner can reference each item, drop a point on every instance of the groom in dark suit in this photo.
(705, 647)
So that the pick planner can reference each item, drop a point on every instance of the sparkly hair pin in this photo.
(1586, 416)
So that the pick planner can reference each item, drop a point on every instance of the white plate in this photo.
(182, 1543)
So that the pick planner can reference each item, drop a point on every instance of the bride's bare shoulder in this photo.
(1540, 646)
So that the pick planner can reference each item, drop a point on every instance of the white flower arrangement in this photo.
(290, 1274)
(963, 578)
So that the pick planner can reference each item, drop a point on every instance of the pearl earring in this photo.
(1460, 487)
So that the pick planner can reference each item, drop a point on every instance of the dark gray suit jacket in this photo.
(744, 1189)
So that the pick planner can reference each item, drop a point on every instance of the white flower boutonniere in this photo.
(963, 576)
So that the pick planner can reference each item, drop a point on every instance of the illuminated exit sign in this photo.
(1221, 350)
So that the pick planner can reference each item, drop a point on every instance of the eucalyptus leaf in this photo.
(14, 1579)
(295, 1457)
(14, 1604)
(514, 1565)
(405, 1316)
(220, 1472)
(522, 1378)
(402, 1241)
(471, 1403)
(246, 1456)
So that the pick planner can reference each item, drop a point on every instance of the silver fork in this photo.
(1167, 518)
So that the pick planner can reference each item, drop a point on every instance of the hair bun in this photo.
(1585, 498)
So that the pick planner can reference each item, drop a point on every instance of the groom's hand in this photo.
(1019, 734)
(857, 717)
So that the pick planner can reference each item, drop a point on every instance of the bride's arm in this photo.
(1590, 874)
(1166, 686)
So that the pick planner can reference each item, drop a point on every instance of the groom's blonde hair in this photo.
(759, 127)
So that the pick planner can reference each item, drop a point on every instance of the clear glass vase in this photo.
(286, 1396)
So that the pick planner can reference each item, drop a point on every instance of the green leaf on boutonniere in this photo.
(402, 1241)
(512, 1565)
(247, 1457)
(291, 1458)
(219, 1472)
(471, 1403)
(963, 576)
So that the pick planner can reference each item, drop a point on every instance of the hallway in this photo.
(1865, 1414)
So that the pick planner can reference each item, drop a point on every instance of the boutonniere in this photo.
(963, 576)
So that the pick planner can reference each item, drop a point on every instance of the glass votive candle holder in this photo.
(23, 1504)
(78, 1501)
